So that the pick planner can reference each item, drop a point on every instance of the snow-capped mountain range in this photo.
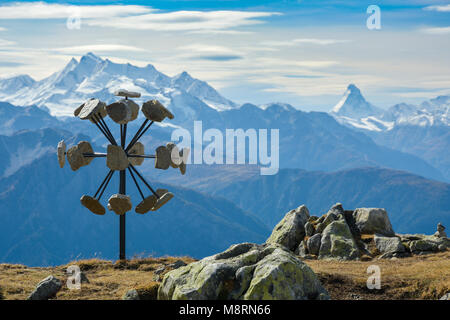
(353, 110)
(191, 98)
(93, 76)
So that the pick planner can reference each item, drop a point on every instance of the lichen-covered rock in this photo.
(309, 229)
(313, 244)
(388, 244)
(429, 244)
(337, 242)
(244, 271)
(373, 220)
(328, 218)
(290, 231)
(46, 289)
(131, 294)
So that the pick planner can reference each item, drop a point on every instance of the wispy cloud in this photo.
(98, 48)
(2, 29)
(206, 21)
(436, 30)
(42, 10)
(294, 42)
(441, 8)
(202, 51)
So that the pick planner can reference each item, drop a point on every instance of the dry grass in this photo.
(108, 280)
(417, 277)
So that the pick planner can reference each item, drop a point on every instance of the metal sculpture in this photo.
(122, 157)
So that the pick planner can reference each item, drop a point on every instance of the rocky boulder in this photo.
(290, 231)
(388, 244)
(337, 242)
(46, 289)
(373, 220)
(245, 271)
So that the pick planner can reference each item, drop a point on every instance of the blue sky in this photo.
(301, 52)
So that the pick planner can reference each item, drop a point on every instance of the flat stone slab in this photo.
(155, 111)
(119, 203)
(146, 205)
(137, 149)
(126, 93)
(61, 153)
(92, 204)
(92, 107)
(116, 158)
(162, 160)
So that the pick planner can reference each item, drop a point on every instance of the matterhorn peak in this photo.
(354, 105)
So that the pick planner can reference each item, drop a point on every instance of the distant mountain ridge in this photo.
(355, 111)
(93, 76)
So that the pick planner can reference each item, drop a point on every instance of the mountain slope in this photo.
(42, 221)
(23, 147)
(414, 204)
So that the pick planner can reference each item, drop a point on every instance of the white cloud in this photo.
(185, 20)
(436, 30)
(2, 29)
(42, 10)
(4, 43)
(442, 8)
(98, 48)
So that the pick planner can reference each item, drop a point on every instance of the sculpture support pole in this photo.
(122, 190)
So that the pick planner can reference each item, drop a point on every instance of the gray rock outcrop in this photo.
(337, 242)
(290, 231)
(245, 271)
(373, 220)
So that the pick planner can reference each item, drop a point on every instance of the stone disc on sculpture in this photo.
(162, 160)
(92, 107)
(119, 203)
(93, 205)
(85, 147)
(61, 153)
(116, 158)
(146, 205)
(155, 111)
(137, 149)
(126, 93)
